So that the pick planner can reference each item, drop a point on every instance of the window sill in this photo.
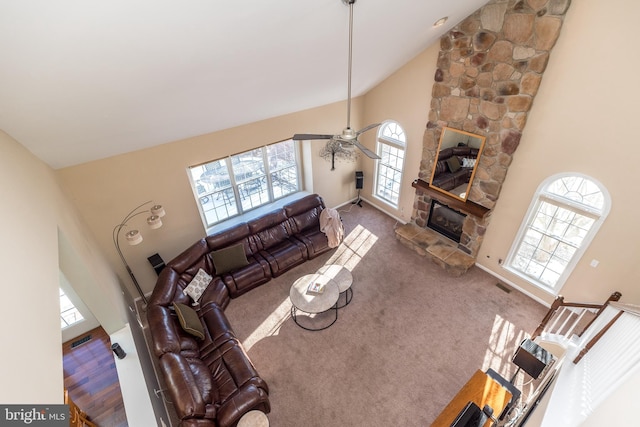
(256, 213)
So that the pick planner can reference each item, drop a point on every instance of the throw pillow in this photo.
(189, 320)
(453, 163)
(198, 285)
(228, 259)
(468, 163)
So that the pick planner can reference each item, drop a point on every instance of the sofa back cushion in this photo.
(239, 234)
(192, 257)
(305, 213)
(270, 229)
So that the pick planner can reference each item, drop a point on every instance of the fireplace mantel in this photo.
(467, 207)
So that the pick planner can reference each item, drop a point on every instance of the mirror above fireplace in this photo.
(456, 162)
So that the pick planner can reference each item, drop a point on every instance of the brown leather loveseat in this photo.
(450, 170)
(210, 379)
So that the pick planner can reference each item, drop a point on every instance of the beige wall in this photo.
(583, 108)
(104, 191)
(404, 97)
(34, 212)
(583, 121)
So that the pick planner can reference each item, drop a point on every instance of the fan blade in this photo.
(308, 136)
(364, 129)
(365, 150)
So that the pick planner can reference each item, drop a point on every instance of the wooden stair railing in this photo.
(78, 418)
(566, 318)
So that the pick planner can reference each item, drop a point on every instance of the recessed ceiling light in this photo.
(440, 21)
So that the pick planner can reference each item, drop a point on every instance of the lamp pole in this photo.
(134, 237)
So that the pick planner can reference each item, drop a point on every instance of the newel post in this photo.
(543, 324)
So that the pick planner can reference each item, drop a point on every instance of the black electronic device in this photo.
(156, 262)
(532, 358)
(359, 180)
(471, 416)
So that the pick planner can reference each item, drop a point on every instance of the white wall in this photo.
(34, 208)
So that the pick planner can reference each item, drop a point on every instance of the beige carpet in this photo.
(411, 337)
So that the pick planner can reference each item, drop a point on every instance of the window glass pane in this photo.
(219, 205)
(212, 176)
(69, 314)
(556, 229)
(248, 165)
(391, 141)
(282, 167)
(393, 132)
(578, 189)
(284, 182)
(231, 186)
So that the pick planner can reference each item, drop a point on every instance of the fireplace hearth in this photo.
(445, 220)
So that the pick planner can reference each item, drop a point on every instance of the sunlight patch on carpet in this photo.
(270, 326)
(503, 341)
(353, 248)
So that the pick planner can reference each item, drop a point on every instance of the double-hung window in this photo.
(563, 218)
(391, 149)
(236, 184)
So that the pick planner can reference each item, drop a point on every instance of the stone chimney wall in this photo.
(489, 70)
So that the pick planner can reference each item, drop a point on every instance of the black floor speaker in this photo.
(156, 262)
(359, 180)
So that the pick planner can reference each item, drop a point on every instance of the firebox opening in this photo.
(445, 221)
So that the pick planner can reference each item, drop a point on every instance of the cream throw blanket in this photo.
(331, 225)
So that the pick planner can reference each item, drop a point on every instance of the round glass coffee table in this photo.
(342, 276)
(302, 299)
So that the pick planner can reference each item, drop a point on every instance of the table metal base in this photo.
(348, 296)
(294, 316)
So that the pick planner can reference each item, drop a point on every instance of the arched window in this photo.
(391, 148)
(563, 218)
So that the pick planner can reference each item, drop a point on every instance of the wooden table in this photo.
(480, 389)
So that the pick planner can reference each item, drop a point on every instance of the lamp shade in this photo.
(157, 210)
(133, 237)
(154, 222)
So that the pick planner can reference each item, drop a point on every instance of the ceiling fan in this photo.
(348, 135)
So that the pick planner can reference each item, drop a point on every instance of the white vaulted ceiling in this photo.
(82, 79)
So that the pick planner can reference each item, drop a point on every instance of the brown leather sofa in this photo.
(211, 381)
(448, 179)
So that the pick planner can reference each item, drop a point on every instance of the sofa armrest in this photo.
(163, 328)
(246, 399)
(182, 385)
(197, 422)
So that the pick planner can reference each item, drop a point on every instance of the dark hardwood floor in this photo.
(92, 380)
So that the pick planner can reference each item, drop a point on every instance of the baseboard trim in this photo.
(513, 285)
(400, 220)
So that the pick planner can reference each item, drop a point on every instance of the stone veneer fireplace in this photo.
(488, 72)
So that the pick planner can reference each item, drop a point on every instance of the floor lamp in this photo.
(134, 237)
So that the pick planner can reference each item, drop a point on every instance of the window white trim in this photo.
(392, 195)
(543, 195)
